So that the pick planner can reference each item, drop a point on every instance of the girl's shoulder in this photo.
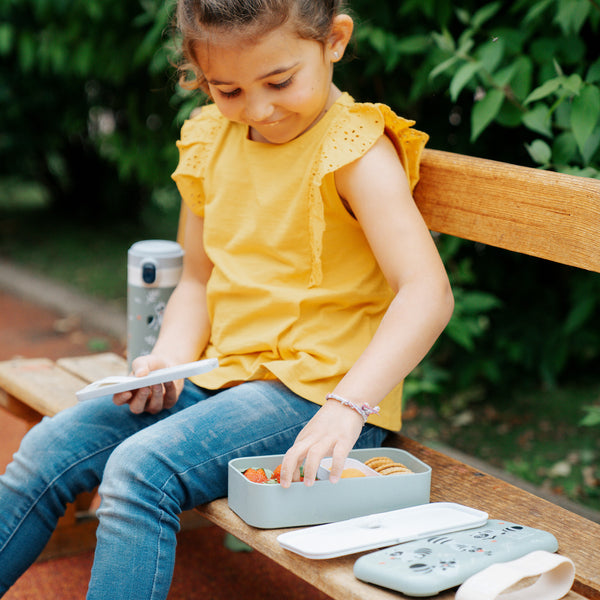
(203, 124)
(356, 126)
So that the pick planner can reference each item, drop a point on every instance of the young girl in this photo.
(308, 273)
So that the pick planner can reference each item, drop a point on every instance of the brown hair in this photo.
(312, 20)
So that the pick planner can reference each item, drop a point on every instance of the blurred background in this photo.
(90, 111)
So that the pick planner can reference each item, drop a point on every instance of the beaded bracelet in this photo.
(364, 410)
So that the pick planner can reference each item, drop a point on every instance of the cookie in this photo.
(393, 469)
(378, 461)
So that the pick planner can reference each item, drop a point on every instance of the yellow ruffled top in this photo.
(295, 293)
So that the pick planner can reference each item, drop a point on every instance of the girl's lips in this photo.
(268, 123)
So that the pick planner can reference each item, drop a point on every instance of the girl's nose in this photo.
(258, 109)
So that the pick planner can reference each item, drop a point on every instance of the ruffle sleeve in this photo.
(354, 130)
(198, 136)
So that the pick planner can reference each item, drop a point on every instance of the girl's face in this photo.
(279, 86)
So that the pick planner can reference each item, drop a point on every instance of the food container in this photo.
(270, 506)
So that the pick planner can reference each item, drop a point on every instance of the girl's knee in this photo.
(126, 462)
(133, 469)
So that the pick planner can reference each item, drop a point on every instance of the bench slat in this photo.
(95, 366)
(540, 213)
(39, 383)
(33, 386)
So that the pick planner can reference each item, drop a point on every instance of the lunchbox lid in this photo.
(381, 529)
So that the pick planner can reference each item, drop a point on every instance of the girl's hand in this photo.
(333, 431)
(150, 399)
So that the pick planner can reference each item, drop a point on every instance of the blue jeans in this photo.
(150, 468)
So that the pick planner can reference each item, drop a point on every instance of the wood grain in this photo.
(40, 384)
(540, 213)
(95, 366)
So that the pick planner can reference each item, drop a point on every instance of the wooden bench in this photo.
(543, 214)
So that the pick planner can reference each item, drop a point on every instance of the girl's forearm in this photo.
(185, 329)
(414, 320)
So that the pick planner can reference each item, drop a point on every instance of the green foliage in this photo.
(543, 78)
(87, 102)
(592, 417)
(91, 109)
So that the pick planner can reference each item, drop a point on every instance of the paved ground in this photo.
(37, 319)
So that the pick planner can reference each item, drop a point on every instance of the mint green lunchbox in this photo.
(269, 506)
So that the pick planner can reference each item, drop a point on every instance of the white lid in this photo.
(382, 529)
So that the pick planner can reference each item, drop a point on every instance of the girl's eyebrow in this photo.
(277, 71)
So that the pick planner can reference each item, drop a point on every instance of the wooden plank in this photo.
(30, 388)
(40, 384)
(95, 366)
(540, 213)
(334, 577)
(19, 409)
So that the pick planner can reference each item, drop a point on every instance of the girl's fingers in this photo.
(137, 404)
(156, 400)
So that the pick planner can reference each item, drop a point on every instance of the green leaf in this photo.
(592, 417)
(413, 44)
(491, 54)
(485, 111)
(573, 83)
(538, 119)
(564, 148)
(592, 144)
(6, 38)
(478, 302)
(504, 76)
(27, 52)
(579, 314)
(593, 74)
(444, 66)
(460, 334)
(378, 40)
(485, 13)
(521, 82)
(462, 77)
(544, 90)
(572, 14)
(536, 10)
(444, 41)
(585, 112)
(540, 152)
(463, 16)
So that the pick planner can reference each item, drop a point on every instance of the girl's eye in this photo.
(231, 94)
(283, 84)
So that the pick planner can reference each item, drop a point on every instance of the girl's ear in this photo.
(339, 36)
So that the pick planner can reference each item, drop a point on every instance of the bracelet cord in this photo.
(364, 410)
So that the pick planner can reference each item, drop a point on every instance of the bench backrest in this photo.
(541, 213)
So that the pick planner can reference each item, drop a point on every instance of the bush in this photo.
(89, 102)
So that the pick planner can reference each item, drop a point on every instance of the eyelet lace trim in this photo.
(195, 148)
(351, 135)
